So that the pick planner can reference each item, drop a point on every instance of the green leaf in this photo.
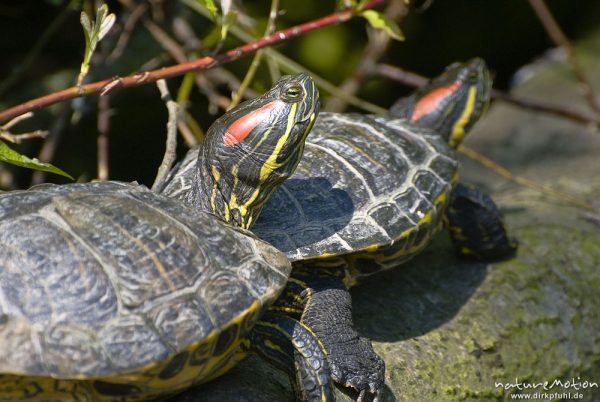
(94, 31)
(211, 7)
(380, 21)
(10, 156)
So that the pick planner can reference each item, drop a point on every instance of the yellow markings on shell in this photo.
(426, 218)
(360, 151)
(325, 256)
(441, 199)
(458, 130)
(15, 387)
(147, 251)
(371, 248)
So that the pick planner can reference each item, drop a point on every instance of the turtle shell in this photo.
(366, 186)
(127, 291)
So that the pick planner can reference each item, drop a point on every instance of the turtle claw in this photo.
(358, 367)
(376, 395)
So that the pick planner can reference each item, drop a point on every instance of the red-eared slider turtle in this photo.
(369, 193)
(109, 291)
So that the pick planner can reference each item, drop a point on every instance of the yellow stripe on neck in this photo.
(265, 171)
(458, 130)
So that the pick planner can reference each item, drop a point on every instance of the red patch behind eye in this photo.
(239, 129)
(430, 102)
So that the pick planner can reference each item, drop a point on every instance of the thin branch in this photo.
(179, 54)
(400, 75)
(559, 37)
(290, 66)
(171, 147)
(5, 133)
(128, 27)
(507, 174)
(377, 45)
(10, 124)
(187, 134)
(46, 154)
(108, 85)
(237, 96)
(102, 141)
(18, 138)
(544, 107)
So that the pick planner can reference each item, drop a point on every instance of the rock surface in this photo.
(449, 330)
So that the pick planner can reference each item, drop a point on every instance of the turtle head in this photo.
(254, 147)
(450, 103)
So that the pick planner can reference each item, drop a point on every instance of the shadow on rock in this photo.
(418, 296)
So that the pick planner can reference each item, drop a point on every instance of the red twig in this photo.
(108, 85)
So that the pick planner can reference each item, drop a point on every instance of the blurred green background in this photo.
(505, 33)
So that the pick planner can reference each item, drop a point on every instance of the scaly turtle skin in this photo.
(369, 194)
(109, 291)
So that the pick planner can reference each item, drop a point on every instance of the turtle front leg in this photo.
(476, 226)
(325, 305)
(290, 346)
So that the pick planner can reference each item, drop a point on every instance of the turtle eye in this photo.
(293, 92)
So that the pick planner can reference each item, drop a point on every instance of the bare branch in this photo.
(130, 24)
(8, 125)
(18, 138)
(559, 37)
(522, 181)
(46, 154)
(378, 43)
(171, 147)
(102, 141)
(237, 96)
(5, 133)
